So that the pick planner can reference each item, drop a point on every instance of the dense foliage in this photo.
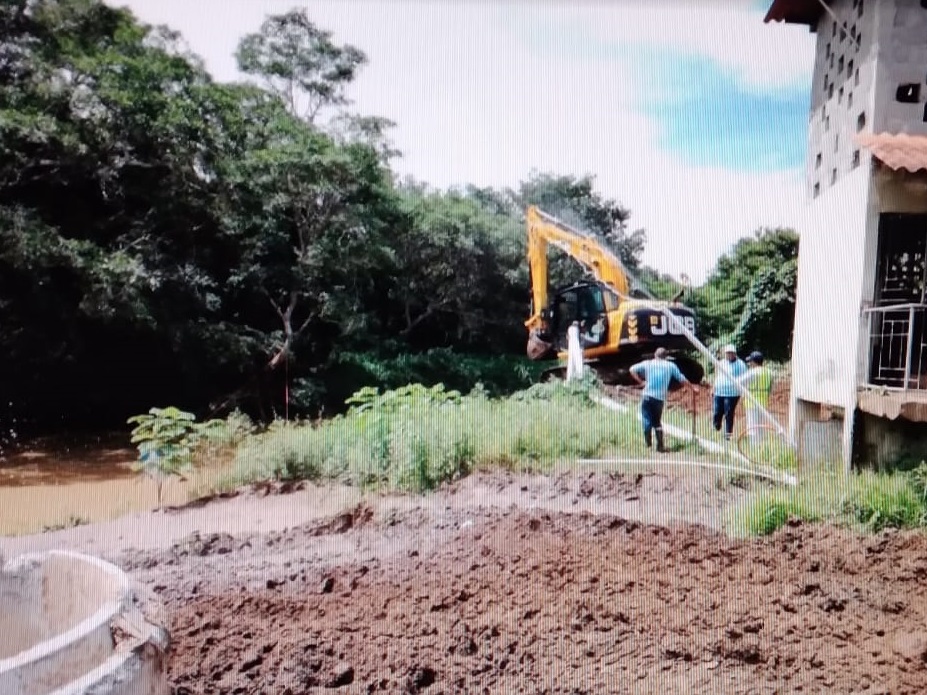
(749, 299)
(165, 238)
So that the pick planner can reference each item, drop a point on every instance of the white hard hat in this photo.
(730, 348)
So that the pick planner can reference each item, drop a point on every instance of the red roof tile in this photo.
(897, 151)
(794, 11)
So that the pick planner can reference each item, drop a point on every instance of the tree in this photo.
(576, 202)
(300, 63)
(460, 277)
(749, 298)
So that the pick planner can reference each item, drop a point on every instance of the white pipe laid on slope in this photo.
(707, 445)
(778, 478)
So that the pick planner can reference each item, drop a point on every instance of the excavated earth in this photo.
(508, 583)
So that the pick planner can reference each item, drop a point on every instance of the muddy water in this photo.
(53, 483)
(59, 462)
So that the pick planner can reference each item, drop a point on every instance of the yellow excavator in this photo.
(618, 324)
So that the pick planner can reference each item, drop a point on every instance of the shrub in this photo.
(166, 439)
(417, 437)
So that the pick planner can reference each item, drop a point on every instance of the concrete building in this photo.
(859, 354)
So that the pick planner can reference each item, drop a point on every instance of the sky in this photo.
(691, 113)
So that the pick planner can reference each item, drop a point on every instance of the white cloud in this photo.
(728, 32)
(483, 94)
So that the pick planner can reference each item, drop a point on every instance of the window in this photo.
(924, 3)
(827, 51)
(855, 161)
(833, 176)
(817, 190)
(859, 10)
(836, 142)
(850, 100)
(817, 161)
(908, 93)
(925, 113)
(861, 121)
(833, 30)
(849, 68)
(827, 123)
(856, 77)
(830, 91)
(840, 96)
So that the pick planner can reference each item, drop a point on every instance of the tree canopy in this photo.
(167, 239)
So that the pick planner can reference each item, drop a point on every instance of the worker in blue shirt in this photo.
(655, 376)
(726, 392)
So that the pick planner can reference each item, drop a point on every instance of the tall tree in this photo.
(299, 62)
(750, 295)
(576, 202)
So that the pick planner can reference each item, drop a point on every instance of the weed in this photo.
(166, 439)
(418, 437)
(71, 522)
(867, 501)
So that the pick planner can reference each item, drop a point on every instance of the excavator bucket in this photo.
(538, 349)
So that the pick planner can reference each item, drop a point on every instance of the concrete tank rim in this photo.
(103, 616)
(109, 668)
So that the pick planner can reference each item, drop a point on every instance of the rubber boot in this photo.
(660, 446)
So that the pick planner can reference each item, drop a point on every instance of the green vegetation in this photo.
(749, 298)
(868, 501)
(168, 238)
(72, 521)
(416, 437)
(167, 439)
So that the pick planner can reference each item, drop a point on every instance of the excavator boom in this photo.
(546, 230)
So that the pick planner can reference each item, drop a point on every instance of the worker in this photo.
(655, 376)
(758, 380)
(726, 392)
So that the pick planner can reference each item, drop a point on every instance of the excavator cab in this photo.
(587, 303)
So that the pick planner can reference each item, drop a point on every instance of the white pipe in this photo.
(711, 446)
(720, 366)
(779, 478)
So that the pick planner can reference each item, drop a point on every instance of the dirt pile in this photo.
(548, 602)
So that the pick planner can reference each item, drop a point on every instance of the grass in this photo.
(866, 501)
(415, 438)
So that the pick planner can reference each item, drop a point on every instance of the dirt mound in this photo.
(523, 602)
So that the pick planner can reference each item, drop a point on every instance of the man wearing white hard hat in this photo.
(726, 394)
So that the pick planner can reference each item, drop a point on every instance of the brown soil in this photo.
(576, 582)
(524, 602)
(778, 400)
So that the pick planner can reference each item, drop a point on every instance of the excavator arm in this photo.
(634, 326)
(545, 230)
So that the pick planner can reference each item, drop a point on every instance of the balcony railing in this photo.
(898, 346)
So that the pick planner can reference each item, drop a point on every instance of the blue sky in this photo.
(692, 113)
(708, 118)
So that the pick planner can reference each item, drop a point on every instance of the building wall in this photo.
(834, 234)
(842, 95)
(902, 38)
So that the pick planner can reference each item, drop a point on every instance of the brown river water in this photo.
(50, 483)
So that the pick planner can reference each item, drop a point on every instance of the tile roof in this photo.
(897, 151)
(794, 11)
